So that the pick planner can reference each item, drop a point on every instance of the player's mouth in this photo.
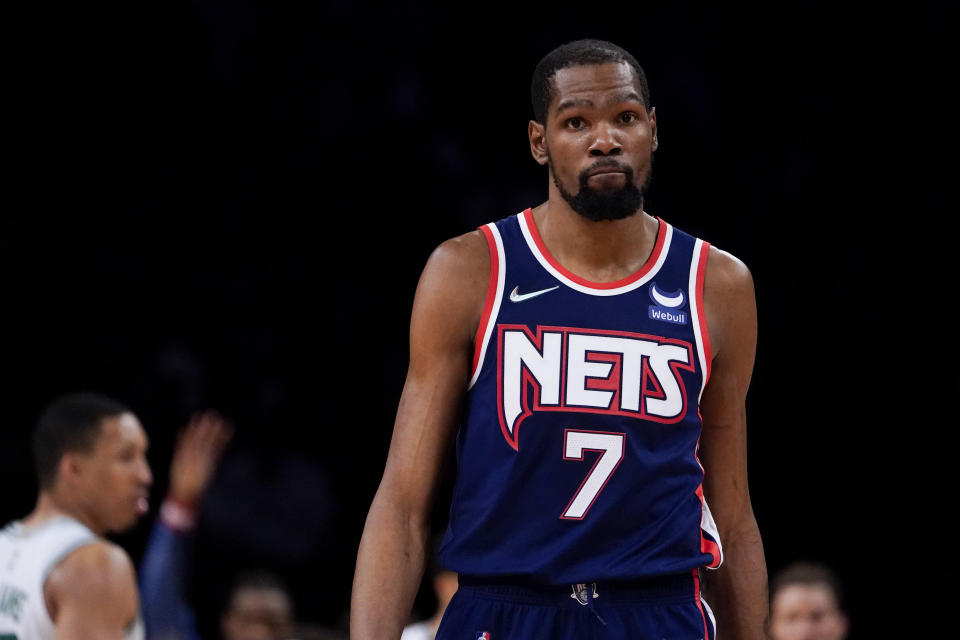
(606, 166)
(600, 171)
(142, 503)
(606, 177)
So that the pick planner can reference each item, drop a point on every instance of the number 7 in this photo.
(610, 445)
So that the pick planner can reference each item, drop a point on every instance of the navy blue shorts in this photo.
(496, 609)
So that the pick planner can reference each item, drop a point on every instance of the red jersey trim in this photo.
(644, 270)
(702, 312)
(697, 599)
(490, 300)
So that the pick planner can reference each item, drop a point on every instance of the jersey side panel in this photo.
(710, 536)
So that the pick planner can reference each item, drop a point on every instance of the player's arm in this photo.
(446, 312)
(92, 594)
(738, 589)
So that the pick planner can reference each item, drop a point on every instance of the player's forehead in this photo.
(804, 597)
(255, 598)
(594, 85)
(120, 431)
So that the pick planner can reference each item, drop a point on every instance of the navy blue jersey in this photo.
(577, 456)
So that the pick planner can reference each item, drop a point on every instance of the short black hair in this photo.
(573, 54)
(807, 574)
(258, 579)
(71, 423)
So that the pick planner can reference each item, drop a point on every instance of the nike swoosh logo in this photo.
(520, 297)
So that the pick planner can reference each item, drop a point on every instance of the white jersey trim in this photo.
(495, 311)
(708, 524)
(664, 252)
(713, 620)
(66, 551)
(695, 312)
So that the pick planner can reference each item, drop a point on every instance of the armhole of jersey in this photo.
(698, 269)
(60, 557)
(491, 306)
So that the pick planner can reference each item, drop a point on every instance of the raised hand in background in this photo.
(165, 566)
(195, 458)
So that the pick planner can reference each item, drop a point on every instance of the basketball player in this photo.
(593, 357)
(58, 577)
(805, 604)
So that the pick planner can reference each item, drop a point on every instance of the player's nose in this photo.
(606, 141)
(144, 475)
(807, 631)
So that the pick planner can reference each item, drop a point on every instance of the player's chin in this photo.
(122, 523)
(125, 519)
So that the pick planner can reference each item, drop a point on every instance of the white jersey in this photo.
(27, 556)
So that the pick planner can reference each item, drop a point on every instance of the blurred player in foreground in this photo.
(805, 604)
(588, 357)
(59, 578)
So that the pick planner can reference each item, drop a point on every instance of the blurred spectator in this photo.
(259, 606)
(163, 571)
(806, 604)
(444, 586)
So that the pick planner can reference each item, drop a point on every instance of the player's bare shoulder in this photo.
(99, 574)
(454, 284)
(728, 298)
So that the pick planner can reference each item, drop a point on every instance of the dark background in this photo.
(228, 204)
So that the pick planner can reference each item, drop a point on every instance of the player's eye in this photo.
(628, 116)
(575, 123)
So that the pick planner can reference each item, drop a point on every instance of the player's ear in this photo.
(843, 624)
(538, 142)
(652, 114)
(70, 470)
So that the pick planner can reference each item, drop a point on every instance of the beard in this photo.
(605, 205)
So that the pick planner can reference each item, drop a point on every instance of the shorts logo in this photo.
(483, 635)
(582, 594)
(666, 307)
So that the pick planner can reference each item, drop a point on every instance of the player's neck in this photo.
(49, 505)
(600, 251)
